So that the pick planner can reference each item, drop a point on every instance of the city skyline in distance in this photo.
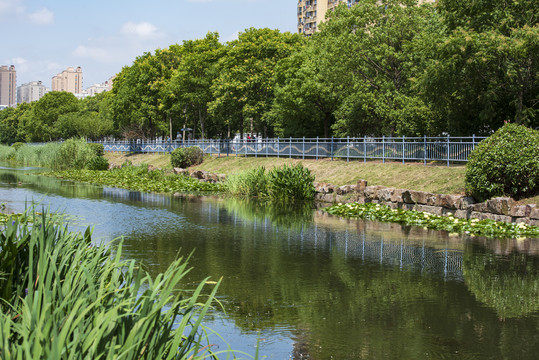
(103, 36)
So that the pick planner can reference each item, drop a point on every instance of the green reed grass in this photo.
(62, 297)
(7, 153)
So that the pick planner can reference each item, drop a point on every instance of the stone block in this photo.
(436, 210)
(534, 213)
(500, 205)
(417, 197)
(465, 201)
(361, 185)
(397, 195)
(462, 214)
(371, 192)
(180, 171)
(448, 201)
(479, 207)
(343, 190)
(385, 194)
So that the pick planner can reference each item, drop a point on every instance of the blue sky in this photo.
(42, 38)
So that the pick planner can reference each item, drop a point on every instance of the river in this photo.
(307, 285)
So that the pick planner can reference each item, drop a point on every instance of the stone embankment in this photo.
(499, 209)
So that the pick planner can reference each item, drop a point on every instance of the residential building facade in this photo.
(312, 12)
(8, 85)
(69, 80)
(32, 91)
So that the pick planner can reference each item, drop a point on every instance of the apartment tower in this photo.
(32, 91)
(69, 80)
(8, 85)
(312, 12)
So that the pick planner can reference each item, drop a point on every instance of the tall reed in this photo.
(62, 297)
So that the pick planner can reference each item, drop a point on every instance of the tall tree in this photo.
(244, 89)
(137, 104)
(37, 124)
(367, 56)
(189, 89)
(485, 65)
(304, 100)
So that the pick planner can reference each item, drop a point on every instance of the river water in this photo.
(306, 285)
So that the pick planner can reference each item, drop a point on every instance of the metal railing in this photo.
(426, 149)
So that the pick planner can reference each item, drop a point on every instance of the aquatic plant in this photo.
(449, 223)
(63, 297)
(281, 183)
(138, 178)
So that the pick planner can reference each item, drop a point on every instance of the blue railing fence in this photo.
(447, 149)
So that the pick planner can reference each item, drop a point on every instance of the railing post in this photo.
(267, 147)
(348, 149)
(317, 148)
(364, 149)
(331, 149)
(290, 149)
(303, 149)
(425, 150)
(447, 150)
(403, 149)
(278, 148)
(384, 149)
(246, 144)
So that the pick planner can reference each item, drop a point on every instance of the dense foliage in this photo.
(506, 163)
(138, 178)
(63, 297)
(449, 223)
(185, 157)
(71, 154)
(389, 67)
(281, 183)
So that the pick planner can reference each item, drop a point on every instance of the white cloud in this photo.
(42, 17)
(95, 53)
(143, 30)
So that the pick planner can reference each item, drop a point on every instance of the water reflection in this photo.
(318, 287)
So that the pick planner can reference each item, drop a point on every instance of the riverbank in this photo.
(433, 178)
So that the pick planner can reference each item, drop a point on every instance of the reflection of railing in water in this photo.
(446, 261)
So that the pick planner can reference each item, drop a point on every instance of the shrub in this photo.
(505, 164)
(98, 149)
(98, 163)
(74, 154)
(185, 157)
(291, 182)
(17, 145)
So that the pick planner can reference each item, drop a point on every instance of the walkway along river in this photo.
(312, 286)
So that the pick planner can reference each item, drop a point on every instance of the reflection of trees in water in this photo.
(509, 284)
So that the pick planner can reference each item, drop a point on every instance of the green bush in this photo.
(98, 149)
(185, 157)
(291, 182)
(505, 164)
(98, 163)
(74, 154)
(17, 145)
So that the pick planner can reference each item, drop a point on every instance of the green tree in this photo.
(244, 90)
(304, 100)
(37, 124)
(368, 56)
(485, 65)
(137, 105)
(189, 89)
(9, 123)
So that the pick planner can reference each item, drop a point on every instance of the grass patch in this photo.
(161, 161)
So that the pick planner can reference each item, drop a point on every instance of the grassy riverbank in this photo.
(434, 178)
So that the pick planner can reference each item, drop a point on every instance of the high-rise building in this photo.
(312, 12)
(69, 80)
(32, 91)
(8, 85)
